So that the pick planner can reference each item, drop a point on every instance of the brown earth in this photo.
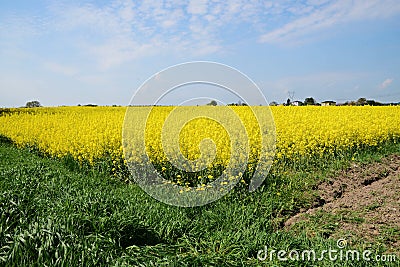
(371, 192)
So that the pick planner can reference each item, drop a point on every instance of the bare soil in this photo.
(371, 192)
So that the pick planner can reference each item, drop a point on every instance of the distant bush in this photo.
(33, 104)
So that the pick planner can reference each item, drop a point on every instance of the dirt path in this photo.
(372, 193)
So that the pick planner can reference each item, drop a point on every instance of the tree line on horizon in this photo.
(309, 101)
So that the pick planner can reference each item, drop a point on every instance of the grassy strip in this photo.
(55, 214)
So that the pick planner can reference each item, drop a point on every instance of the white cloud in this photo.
(114, 52)
(386, 83)
(127, 11)
(122, 31)
(328, 15)
(127, 30)
(197, 7)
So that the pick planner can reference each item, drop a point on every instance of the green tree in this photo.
(309, 101)
(361, 101)
(273, 103)
(33, 104)
(373, 103)
(212, 103)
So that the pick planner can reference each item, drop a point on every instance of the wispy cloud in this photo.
(60, 68)
(197, 7)
(127, 30)
(327, 14)
(14, 27)
(122, 31)
(386, 83)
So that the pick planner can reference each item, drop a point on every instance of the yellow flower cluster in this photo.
(89, 133)
(85, 133)
(313, 130)
(199, 133)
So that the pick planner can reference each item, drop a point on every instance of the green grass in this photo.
(56, 213)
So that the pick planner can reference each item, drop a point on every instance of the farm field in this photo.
(67, 199)
(90, 133)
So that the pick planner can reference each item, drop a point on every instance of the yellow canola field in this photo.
(89, 133)
(314, 130)
(86, 133)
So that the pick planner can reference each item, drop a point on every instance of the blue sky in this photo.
(79, 52)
